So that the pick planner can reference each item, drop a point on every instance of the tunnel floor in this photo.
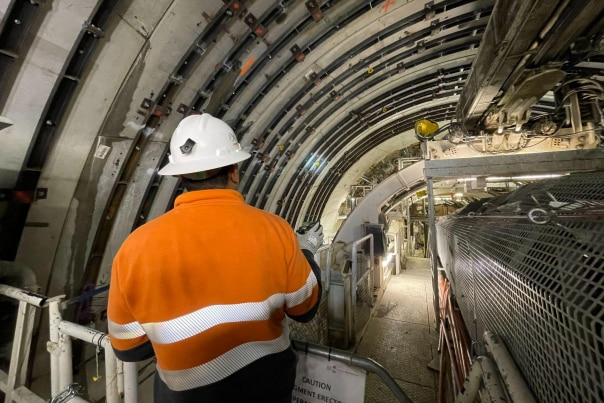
(401, 336)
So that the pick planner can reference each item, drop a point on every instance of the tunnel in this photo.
(458, 139)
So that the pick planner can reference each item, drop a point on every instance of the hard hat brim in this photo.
(188, 167)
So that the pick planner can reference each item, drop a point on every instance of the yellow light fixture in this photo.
(425, 127)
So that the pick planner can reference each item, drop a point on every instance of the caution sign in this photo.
(321, 380)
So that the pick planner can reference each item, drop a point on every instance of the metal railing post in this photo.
(355, 270)
(397, 254)
(65, 361)
(22, 336)
(16, 356)
(60, 348)
(327, 263)
(120, 377)
(99, 339)
(112, 394)
(433, 251)
(355, 262)
(130, 382)
(53, 346)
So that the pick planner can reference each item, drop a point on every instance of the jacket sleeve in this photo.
(128, 339)
(311, 298)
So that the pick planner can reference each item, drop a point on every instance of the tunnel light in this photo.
(458, 194)
(523, 177)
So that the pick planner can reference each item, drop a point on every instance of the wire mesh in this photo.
(314, 331)
(364, 292)
(538, 283)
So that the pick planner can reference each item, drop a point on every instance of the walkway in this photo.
(401, 336)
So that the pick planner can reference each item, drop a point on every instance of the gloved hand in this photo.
(310, 239)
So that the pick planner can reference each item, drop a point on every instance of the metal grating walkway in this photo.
(401, 336)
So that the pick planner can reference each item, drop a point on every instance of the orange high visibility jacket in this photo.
(209, 284)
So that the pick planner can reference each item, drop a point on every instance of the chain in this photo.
(66, 395)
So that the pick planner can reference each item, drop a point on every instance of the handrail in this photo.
(101, 340)
(355, 263)
(120, 377)
(23, 295)
(354, 361)
(327, 266)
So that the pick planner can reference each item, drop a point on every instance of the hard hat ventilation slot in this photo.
(187, 146)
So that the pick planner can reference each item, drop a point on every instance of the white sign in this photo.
(321, 380)
(101, 151)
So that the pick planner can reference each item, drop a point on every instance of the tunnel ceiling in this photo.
(317, 91)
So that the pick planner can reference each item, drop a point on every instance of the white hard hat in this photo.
(202, 143)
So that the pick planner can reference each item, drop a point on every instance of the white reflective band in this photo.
(130, 330)
(183, 327)
(189, 325)
(296, 298)
(224, 365)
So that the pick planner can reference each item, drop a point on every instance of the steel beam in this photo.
(517, 164)
(510, 34)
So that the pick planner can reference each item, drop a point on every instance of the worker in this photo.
(206, 287)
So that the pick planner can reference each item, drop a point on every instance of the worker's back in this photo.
(210, 282)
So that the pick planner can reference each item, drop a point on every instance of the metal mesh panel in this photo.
(314, 331)
(537, 283)
(364, 302)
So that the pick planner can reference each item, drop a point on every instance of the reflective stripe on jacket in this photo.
(209, 284)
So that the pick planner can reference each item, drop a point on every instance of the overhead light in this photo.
(523, 177)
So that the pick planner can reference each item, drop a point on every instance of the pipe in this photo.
(483, 373)
(99, 339)
(354, 361)
(21, 328)
(23, 295)
(120, 377)
(433, 251)
(84, 333)
(111, 389)
(514, 382)
(65, 361)
(130, 382)
(53, 345)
